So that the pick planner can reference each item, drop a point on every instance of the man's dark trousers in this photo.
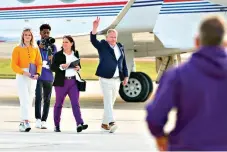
(43, 91)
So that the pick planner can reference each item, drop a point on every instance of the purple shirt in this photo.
(198, 91)
(46, 74)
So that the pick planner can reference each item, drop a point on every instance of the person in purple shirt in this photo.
(45, 81)
(198, 91)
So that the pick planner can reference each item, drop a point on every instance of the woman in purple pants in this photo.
(65, 82)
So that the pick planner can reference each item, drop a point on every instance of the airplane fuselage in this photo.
(75, 18)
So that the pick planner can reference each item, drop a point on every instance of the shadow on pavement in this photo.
(85, 103)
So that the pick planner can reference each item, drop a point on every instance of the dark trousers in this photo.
(43, 91)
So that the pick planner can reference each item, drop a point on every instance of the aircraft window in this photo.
(68, 1)
(26, 1)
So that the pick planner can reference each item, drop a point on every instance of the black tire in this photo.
(151, 87)
(140, 88)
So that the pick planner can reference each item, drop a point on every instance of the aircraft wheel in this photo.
(151, 87)
(137, 88)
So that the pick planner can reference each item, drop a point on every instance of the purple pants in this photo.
(70, 89)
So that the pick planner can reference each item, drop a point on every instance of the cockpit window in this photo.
(26, 1)
(68, 1)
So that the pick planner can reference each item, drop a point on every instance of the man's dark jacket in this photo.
(107, 59)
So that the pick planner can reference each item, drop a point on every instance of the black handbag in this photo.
(81, 84)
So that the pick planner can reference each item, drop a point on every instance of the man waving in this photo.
(112, 69)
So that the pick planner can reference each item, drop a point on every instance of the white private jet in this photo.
(163, 29)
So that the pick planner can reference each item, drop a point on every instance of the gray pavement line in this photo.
(25, 147)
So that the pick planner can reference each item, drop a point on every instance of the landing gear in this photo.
(163, 63)
(138, 89)
(150, 83)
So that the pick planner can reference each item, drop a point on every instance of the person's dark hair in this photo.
(45, 26)
(212, 31)
(71, 40)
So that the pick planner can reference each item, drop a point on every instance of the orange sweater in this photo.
(20, 59)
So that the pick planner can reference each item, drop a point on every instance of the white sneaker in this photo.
(38, 123)
(113, 128)
(43, 125)
(24, 127)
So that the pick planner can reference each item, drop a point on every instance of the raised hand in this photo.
(95, 25)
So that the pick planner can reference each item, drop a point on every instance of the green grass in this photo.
(88, 69)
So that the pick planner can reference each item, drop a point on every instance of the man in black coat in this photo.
(112, 70)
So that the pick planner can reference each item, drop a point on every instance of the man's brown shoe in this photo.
(105, 127)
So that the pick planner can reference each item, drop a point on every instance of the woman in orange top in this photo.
(22, 57)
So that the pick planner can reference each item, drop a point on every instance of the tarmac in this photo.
(132, 133)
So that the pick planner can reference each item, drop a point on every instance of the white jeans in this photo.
(26, 92)
(110, 89)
